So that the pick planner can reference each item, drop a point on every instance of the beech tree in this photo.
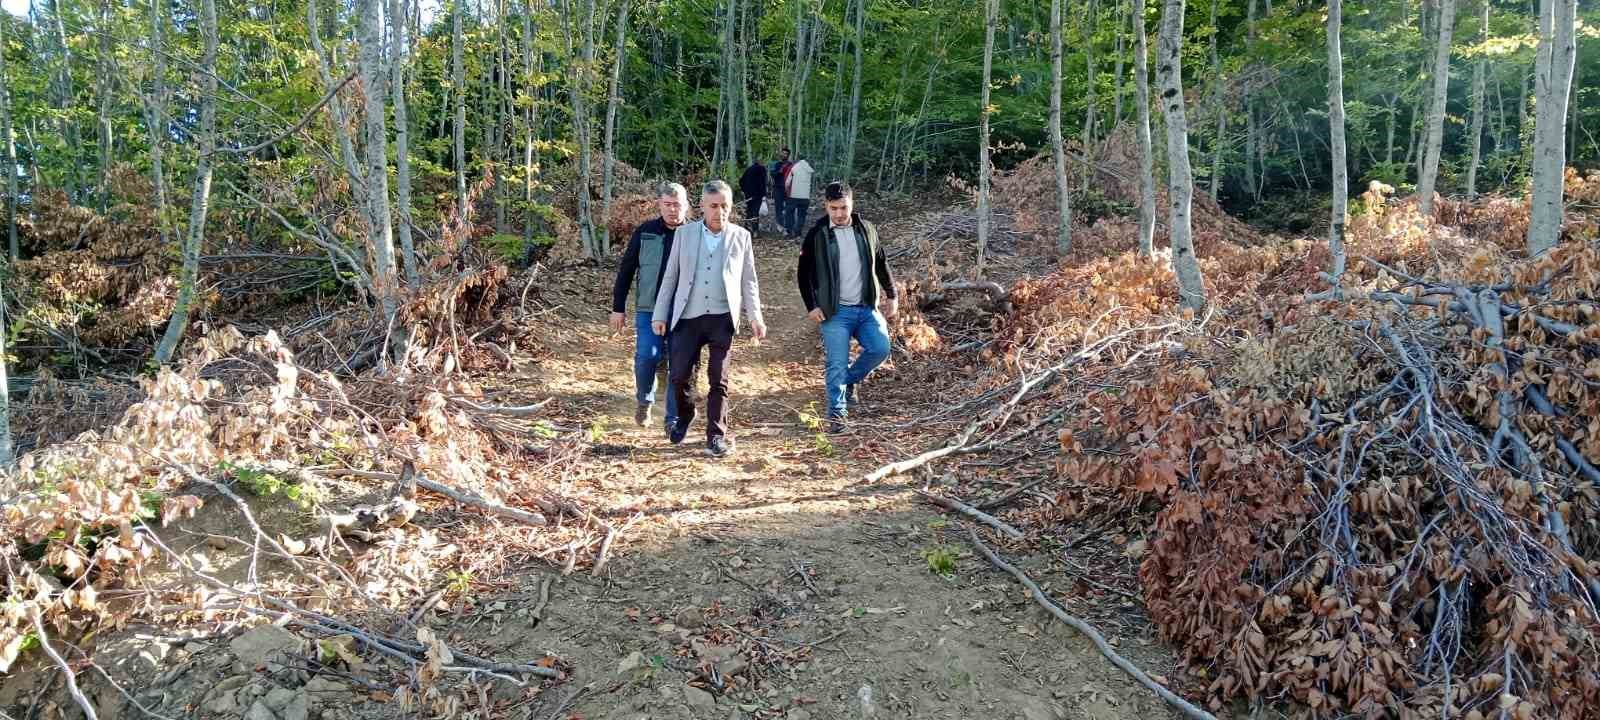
(1147, 173)
(1436, 107)
(1180, 183)
(1063, 196)
(991, 12)
(1558, 50)
(1341, 183)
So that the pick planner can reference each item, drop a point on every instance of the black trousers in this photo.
(692, 334)
(752, 214)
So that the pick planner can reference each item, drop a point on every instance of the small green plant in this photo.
(460, 581)
(597, 431)
(264, 484)
(941, 560)
(814, 424)
(544, 430)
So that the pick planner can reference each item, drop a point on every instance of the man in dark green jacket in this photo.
(643, 263)
(844, 277)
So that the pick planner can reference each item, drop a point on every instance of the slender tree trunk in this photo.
(1436, 108)
(613, 101)
(1341, 181)
(201, 200)
(103, 97)
(1251, 130)
(1180, 185)
(1063, 197)
(1147, 173)
(580, 117)
(1394, 112)
(402, 140)
(848, 171)
(1122, 78)
(1557, 53)
(157, 109)
(1089, 129)
(991, 10)
(530, 126)
(336, 109)
(1478, 69)
(63, 83)
(12, 248)
(380, 231)
(7, 451)
(1217, 107)
(458, 88)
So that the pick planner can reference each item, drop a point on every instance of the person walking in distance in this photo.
(844, 278)
(643, 263)
(709, 280)
(753, 184)
(798, 186)
(779, 170)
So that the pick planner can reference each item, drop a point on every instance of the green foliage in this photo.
(264, 484)
(941, 560)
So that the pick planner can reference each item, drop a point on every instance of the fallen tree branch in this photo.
(465, 497)
(61, 662)
(511, 410)
(972, 512)
(1090, 632)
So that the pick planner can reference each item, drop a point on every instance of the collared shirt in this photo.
(850, 265)
(713, 240)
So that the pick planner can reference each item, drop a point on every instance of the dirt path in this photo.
(713, 581)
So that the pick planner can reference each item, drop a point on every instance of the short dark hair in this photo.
(785, 149)
(838, 190)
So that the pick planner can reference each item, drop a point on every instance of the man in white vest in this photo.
(710, 277)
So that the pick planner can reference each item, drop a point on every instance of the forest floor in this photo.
(777, 579)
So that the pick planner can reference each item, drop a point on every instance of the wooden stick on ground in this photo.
(465, 497)
(66, 670)
(1088, 631)
(972, 512)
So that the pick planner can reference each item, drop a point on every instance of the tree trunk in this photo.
(1180, 184)
(1122, 78)
(380, 230)
(1063, 197)
(1557, 53)
(7, 452)
(1147, 173)
(156, 106)
(402, 140)
(1251, 130)
(529, 128)
(63, 87)
(991, 10)
(458, 88)
(103, 97)
(1478, 69)
(336, 110)
(1341, 181)
(848, 170)
(1089, 92)
(613, 101)
(201, 200)
(12, 248)
(1217, 107)
(1436, 108)
(580, 118)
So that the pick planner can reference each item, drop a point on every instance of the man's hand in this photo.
(760, 329)
(892, 309)
(816, 316)
(659, 327)
(616, 322)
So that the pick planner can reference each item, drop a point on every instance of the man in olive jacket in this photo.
(643, 264)
(844, 277)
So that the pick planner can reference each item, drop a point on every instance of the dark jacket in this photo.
(778, 169)
(818, 271)
(754, 181)
(643, 261)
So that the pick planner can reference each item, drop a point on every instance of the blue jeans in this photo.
(650, 358)
(795, 210)
(869, 329)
